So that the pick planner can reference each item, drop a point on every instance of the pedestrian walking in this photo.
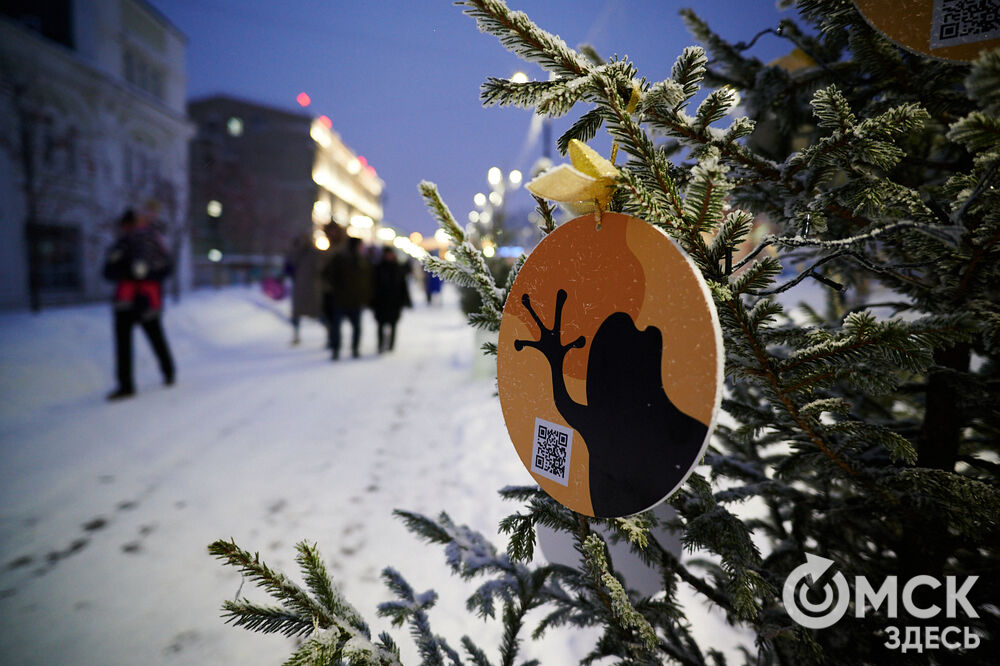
(348, 277)
(138, 262)
(432, 285)
(302, 264)
(336, 235)
(390, 295)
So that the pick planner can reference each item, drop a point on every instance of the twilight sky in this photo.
(400, 79)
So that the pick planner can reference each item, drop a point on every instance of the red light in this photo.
(363, 161)
(325, 122)
(371, 171)
(303, 99)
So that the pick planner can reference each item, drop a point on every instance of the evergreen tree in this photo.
(868, 432)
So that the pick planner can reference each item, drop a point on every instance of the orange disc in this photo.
(946, 29)
(609, 365)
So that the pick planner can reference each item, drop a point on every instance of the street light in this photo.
(490, 207)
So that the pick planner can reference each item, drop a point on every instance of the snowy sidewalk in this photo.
(106, 509)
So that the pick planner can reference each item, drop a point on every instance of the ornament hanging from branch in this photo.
(609, 365)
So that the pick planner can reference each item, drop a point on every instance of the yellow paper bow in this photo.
(588, 181)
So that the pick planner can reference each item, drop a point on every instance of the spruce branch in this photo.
(335, 629)
(983, 81)
(584, 129)
(736, 313)
(648, 203)
(476, 655)
(688, 72)
(276, 584)
(412, 608)
(810, 272)
(469, 269)
(545, 210)
(504, 92)
(623, 610)
(715, 107)
(266, 619)
(725, 53)
(521, 36)
(439, 209)
(946, 234)
(320, 584)
(711, 525)
(635, 142)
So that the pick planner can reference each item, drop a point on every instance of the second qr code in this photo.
(964, 22)
(551, 451)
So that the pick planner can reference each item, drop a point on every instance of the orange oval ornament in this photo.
(956, 30)
(609, 365)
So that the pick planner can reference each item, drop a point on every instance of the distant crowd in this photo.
(338, 284)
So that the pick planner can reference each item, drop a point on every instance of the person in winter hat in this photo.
(138, 262)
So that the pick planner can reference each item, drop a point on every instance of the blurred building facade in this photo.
(261, 176)
(92, 120)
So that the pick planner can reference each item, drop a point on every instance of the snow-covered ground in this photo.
(106, 509)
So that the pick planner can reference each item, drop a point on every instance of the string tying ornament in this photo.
(588, 182)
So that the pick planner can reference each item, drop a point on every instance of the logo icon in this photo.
(820, 615)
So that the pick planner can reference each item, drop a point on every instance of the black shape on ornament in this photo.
(640, 444)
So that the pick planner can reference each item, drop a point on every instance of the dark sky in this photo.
(400, 79)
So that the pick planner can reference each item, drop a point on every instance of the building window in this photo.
(70, 145)
(56, 147)
(129, 66)
(143, 74)
(142, 165)
(52, 19)
(56, 251)
(128, 172)
(156, 82)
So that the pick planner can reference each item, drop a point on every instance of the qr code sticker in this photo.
(551, 450)
(964, 22)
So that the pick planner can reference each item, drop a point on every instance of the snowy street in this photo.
(107, 509)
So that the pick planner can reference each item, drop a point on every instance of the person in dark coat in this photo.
(348, 278)
(390, 295)
(138, 262)
(337, 237)
(302, 264)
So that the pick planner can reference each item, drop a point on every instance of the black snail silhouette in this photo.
(640, 444)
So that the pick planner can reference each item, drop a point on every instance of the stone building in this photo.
(262, 175)
(92, 120)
